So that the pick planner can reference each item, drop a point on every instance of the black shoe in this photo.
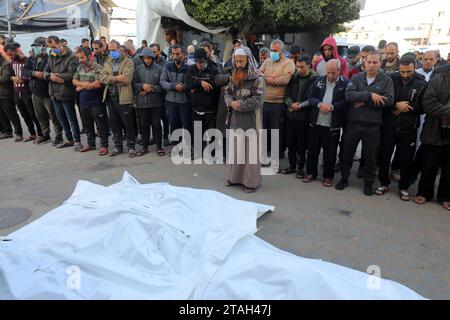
(368, 189)
(361, 174)
(342, 184)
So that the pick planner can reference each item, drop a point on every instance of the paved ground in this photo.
(410, 243)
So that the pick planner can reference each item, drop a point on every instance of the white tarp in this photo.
(73, 37)
(148, 19)
(157, 241)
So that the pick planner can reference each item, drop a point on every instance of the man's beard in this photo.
(238, 76)
(328, 57)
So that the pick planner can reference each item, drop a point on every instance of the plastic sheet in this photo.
(157, 241)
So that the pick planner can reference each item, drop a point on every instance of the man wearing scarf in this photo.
(244, 97)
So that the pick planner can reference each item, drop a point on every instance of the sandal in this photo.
(328, 183)
(228, 183)
(29, 138)
(103, 151)
(289, 170)
(381, 190)
(160, 153)
(446, 205)
(77, 146)
(300, 175)
(249, 190)
(115, 152)
(404, 195)
(141, 152)
(309, 179)
(65, 145)
(419, 200)
(131, 153)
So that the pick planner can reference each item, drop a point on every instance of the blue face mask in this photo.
(57, 51)
(275, 56)
(115, 55)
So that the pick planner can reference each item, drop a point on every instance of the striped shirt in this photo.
(17, 66)
(89, 73)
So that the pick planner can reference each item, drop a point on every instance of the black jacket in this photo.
(359, 90)
(298, 90)
(436, 105)
(6, 85)
(201, 100)
(339, 103)
(38, 87)
(411, 92)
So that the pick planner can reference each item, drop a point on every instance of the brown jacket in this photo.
(283, 70)
(126, 93)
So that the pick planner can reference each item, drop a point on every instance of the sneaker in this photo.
(342, 184)
(115, 152)
(368, 189)
(18, 139)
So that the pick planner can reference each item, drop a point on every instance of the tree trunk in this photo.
(228, 49)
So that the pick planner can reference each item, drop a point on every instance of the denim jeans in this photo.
(67, 116)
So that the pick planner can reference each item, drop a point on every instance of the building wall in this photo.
(425, 24)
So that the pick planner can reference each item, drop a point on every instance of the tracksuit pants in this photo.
(370, 137)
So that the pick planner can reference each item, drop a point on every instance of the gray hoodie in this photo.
(148, 75)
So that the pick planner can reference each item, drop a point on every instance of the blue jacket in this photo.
(170, 78)
(339, 103)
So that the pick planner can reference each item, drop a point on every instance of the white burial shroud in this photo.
(157, 241)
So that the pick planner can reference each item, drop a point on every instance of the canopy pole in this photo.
(8, 17)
